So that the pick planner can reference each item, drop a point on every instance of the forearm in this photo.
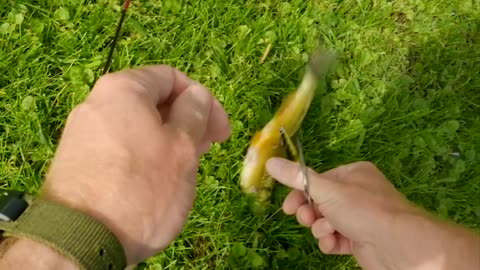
(25, 254)
(462, 247)
(422, 242)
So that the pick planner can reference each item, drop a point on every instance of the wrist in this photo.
(23, 254)
(61, 235)
(98, 212)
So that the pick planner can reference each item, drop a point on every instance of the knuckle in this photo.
(107, 79)
(367, 164)
(78, 113)
(367, 168)
(323, 247)
(116, 83)
(104, 84)
(352, 168)
(79, 110)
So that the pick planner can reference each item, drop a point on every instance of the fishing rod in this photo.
(108, 63)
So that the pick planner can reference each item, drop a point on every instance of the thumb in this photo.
(322, 190)
(190, 112)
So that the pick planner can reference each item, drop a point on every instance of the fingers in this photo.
(334, 244)
(290, 174)
(190, 112)
(293, 201)
(218, 127)
(160, 85)
(157, 84)
(204, 148)
(346, 202)
(287, 172)
(327, 243)
(321, 228)
(305, 215)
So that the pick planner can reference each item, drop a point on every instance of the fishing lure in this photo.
(274, 140)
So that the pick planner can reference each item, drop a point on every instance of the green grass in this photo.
(405, 96)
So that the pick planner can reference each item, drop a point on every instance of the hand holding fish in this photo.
(274, 139)
(358, 211)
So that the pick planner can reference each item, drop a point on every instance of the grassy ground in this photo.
(405, 96)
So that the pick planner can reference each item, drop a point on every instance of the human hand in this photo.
(358, 211)
(129, 154)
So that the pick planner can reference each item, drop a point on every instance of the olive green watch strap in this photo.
(82, 239)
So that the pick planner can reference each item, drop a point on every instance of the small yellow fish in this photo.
(273, 140)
